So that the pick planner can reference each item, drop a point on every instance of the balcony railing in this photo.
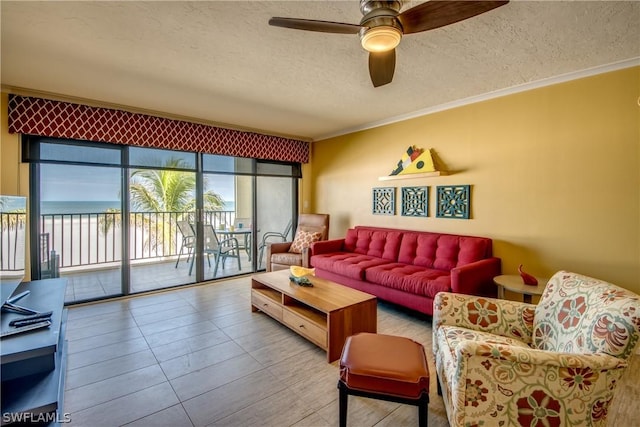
(82, 239)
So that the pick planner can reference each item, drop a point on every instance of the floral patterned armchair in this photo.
(509, 363)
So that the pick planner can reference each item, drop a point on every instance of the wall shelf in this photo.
(412, 176)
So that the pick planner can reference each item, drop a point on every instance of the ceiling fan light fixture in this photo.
(381, 38)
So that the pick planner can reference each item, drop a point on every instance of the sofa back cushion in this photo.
(418, 249)
(421, 248)
(579, 314)
(442, 251)
(380, 243)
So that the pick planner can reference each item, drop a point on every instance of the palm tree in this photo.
(166, 190)
(13, 218)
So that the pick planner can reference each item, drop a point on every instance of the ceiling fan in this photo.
(383, 25)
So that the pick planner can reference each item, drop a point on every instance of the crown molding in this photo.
(562, 78)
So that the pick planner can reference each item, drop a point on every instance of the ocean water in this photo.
(12, 203)
(68, 207)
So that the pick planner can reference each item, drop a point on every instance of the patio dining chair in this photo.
(269, 237)
(49, 260)
(188, 239)
(220, 249)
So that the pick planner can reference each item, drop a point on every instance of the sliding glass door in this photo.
(275, 196)
(117, 220)
(80, 221)
(227, 220)
(162, 206)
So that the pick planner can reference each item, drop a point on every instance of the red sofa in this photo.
(408, 267)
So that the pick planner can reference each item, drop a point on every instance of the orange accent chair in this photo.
(311, 228)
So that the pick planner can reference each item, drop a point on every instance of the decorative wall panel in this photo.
(384, 201)
(37, 116)
(415, 201)
(453, 201)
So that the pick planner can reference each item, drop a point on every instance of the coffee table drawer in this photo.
(305, 328)
(266, 305)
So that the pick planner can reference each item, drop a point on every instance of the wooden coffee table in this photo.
(325, 314)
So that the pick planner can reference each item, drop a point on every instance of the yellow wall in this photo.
(14, 176)
(555, 175)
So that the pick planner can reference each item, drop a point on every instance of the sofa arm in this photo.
(511, 319)
(476, 278)
(327, 246)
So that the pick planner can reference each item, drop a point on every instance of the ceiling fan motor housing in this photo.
(381, 31)
(367, 6)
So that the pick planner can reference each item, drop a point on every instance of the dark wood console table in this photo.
(33, 363)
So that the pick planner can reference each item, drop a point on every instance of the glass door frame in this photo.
(32, 150)
(259, 168)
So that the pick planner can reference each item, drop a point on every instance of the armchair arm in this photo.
(476, 278)
(511, 319)
(306, 257)
(509, 354)
(327, 246)
(513, 383)
(276, 248)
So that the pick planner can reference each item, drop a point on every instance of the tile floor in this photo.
(198, 356)
(94, 282)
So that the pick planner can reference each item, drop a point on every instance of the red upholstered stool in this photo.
(384, 367)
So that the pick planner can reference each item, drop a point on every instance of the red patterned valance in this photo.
(37, 116)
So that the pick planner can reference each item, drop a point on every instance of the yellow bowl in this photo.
(298, 271)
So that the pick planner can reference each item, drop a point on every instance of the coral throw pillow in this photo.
(304, 239)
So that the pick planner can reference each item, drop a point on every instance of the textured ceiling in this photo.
(220, 62)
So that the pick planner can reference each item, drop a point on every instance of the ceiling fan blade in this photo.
(438, 13)
(313, 25)
(381, 67)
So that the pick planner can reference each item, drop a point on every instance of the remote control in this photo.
(41, 316)
(26, 328)
(17, 297)
(23, 322)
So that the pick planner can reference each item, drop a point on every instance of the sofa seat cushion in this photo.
(410, 278)
(286, 258)
(346, 264)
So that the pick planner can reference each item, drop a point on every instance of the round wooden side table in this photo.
(514, 283)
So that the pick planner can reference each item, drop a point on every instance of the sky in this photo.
(93, 183)
(99, 183)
